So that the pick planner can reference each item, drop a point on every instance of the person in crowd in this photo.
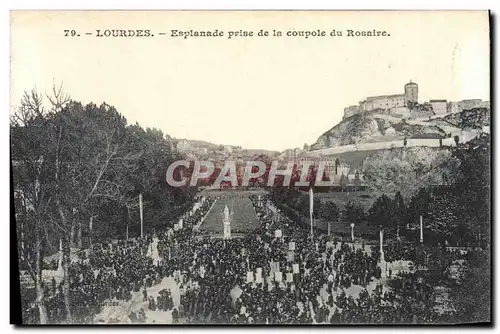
(298, 281)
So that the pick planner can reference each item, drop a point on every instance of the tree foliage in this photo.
(471, 297)
(77, 173)
(406, 170)
(354, 213)
(329, 211)
(383, 213)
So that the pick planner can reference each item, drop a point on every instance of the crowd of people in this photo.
(277, 274)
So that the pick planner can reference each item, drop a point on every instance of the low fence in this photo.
(380, 145)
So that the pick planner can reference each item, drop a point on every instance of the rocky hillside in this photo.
(467, 120)
(381, 127)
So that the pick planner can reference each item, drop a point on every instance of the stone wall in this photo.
(464, 137)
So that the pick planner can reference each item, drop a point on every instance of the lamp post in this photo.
(421, 230)
(382, 265)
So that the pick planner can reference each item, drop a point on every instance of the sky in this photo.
(258, 92)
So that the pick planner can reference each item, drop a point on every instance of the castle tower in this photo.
(411, 92)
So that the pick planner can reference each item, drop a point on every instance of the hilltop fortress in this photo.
(388, 122)
(406, 105)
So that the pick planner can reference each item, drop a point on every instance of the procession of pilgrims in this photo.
(279, 273)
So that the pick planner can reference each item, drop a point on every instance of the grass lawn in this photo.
(244, 217)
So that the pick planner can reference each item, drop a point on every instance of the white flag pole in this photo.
(141, 211)
(59, 264)
(421, 230)
(90, 232)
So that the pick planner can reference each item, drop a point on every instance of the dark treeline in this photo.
(454, 215)
(457, 214)
(78, 171)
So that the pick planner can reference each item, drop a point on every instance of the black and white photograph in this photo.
(250, 168)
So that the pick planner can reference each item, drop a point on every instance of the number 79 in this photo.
(71, 33)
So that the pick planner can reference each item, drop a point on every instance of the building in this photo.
(440, 107)
(382, 102)
(398, 103)
(342, 168)
(452, 108)
(291, 154)
(228, 149)
(411, 92)
(456, 107)
(350, 111)
(469, 104)
(472, 103)
(338, 172)
(183, 146)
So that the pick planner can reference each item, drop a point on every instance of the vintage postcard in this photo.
(250, 167)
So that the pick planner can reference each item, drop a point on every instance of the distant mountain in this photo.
(201, 147)
(198, 143)
(202, 143)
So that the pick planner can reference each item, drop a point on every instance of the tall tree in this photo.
(33, 187)
(471, 297)
(354, 213)
(382, 212)
(400, 210)
(473, 184)
(75, 163)
(329, 211)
